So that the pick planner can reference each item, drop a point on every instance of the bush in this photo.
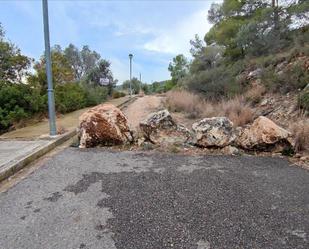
(300, 131)
(216, 83)
(169, 85)
(237, 110)
(69, 97)
(255, 93)
(184, 101)
(303, 100)
(18, 101)
(95, 95)
(117, 94)
(291, 79)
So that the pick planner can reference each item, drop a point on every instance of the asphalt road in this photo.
(102, 199)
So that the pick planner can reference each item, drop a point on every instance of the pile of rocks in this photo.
(107, 125)
(219, 132)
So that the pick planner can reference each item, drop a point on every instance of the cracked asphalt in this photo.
(99, 198)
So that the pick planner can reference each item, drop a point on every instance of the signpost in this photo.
(104, 81)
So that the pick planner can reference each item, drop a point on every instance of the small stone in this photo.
(230, 150)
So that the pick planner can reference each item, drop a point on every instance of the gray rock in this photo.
(255, 74)
(158, 120)
(214, 132)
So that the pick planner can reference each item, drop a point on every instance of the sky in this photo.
(153, 31)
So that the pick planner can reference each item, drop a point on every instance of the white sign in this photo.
(104, 81)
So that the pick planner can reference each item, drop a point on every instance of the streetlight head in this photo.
(130, 55)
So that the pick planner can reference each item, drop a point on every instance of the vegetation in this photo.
(237, 110)
(301, 134)
(76, 77)
(135, 85)
(247, 35)
(303, 100)
(155, 87)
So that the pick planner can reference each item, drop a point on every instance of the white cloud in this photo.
(120, 69)
(174, 40)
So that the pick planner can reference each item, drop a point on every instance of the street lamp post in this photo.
(50, 90)
(130, 56)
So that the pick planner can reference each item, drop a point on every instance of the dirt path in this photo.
(140, 108)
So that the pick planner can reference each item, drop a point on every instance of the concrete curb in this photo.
(12, 168)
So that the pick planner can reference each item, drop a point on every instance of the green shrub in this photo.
(95, 95)
(117, 94)
(18, 101)
(303, 100)
(169, 85)
(216, 83)
(293, 78)
(69, 97)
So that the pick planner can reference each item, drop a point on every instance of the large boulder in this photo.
(155, 121)
(264, 135)
(104, 124)
(213, 132)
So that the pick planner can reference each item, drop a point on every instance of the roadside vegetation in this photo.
(76, 76)
(254, 50)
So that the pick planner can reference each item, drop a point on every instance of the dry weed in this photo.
(237, 110)
(183, 101)
(255, 93)
(300, 132)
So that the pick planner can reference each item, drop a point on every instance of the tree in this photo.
(89, 59)
(102, 70)
(204, 57)
(250, 26)
(215, 13)
(13, 65)
(73, 56)
(135, 85)
(82, 61)
(178, 67)
(61, 71)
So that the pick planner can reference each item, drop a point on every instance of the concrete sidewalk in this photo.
(22, 146)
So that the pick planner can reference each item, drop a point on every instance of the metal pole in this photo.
(140, 77)
(50, 90)
(130, 56)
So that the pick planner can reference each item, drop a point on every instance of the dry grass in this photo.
(255, 93)
(300, 131)
(237, 110)
(183, 101)
(61, 130)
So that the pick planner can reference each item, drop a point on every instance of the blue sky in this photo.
(154, 31)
